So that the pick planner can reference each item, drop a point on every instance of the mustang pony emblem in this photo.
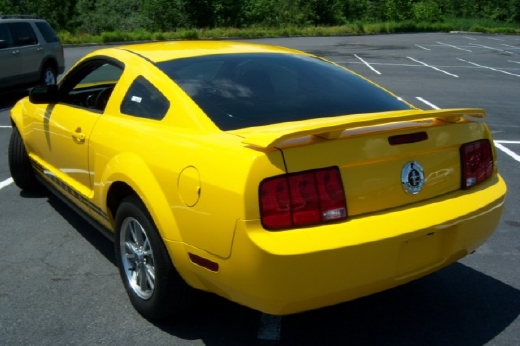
(412, 177)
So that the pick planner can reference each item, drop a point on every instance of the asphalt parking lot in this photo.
(59, 284)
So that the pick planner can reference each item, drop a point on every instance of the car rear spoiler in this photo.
(330, 128)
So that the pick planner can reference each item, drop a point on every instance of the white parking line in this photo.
(433, 67)
(4, 127)
(506, 45)
(470, 38)
(516, 62)
(404, 65)
(498, 49)
(422, 47)
(489, 68)
(6, 183)
(270, 327)
(509, 152)
(496, 39)
(498, 144)
(449, 45)
(367, 64)
(427, 103)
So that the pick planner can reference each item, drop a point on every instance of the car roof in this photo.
(20, 18)
(163, 51)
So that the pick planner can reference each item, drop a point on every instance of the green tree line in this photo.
(97, 16)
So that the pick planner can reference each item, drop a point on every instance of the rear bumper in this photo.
(297, 270)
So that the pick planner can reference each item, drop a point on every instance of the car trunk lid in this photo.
(386, 160)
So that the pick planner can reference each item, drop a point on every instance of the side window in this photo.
(23, 34)
(145, 101)
(47, 32)
(91, 84)
(105, 73)
(5, 36)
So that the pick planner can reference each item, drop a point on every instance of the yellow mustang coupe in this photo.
(269, 176)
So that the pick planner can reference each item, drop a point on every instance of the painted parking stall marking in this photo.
(5, 183)
(491, 48)
(433, 67)
(427, 103)
(8, 181)
(489, 68)
(469, 48)
(422, 47)
(452, 46)
(367, 64)
(500, 145)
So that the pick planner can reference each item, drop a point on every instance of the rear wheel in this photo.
(153, 285)
(20, 166)
(48, 76)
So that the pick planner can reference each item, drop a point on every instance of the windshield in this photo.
(245, 90)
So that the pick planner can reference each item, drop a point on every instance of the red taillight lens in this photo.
(275, 204)
(302, 199)
(477, 162)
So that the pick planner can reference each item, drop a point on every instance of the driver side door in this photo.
(65, 127)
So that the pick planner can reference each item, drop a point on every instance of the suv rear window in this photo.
(245, 90)
(47, 32)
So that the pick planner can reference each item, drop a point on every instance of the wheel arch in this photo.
(16, 118)
(128, 174)
(49, 61)
(117, 192)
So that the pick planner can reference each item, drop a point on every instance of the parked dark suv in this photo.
(30, 52)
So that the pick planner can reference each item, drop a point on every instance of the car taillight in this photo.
(477, 162)
(302, 199)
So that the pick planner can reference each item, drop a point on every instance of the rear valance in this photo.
(332, 127)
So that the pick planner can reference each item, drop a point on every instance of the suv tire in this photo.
(48, 76)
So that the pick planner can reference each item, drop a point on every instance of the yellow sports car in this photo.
(269, 176)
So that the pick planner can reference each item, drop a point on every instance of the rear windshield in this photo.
(244, 90)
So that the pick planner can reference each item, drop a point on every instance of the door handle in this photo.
(78, 135)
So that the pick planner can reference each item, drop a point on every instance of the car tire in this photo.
(154, 286)
(48, 76)
(20, 166)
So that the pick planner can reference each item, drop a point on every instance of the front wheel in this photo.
(20, 166)
(153, 285)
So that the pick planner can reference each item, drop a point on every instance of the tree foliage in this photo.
(97, 16)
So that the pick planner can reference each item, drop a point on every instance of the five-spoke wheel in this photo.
(154, 286)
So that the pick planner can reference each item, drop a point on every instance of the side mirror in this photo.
(44, 94)
(3, 44)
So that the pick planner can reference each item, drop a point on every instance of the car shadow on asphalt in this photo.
(457, 305)
(100, 242)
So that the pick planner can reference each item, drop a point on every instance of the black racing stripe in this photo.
(139, 55)
(67, 188)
